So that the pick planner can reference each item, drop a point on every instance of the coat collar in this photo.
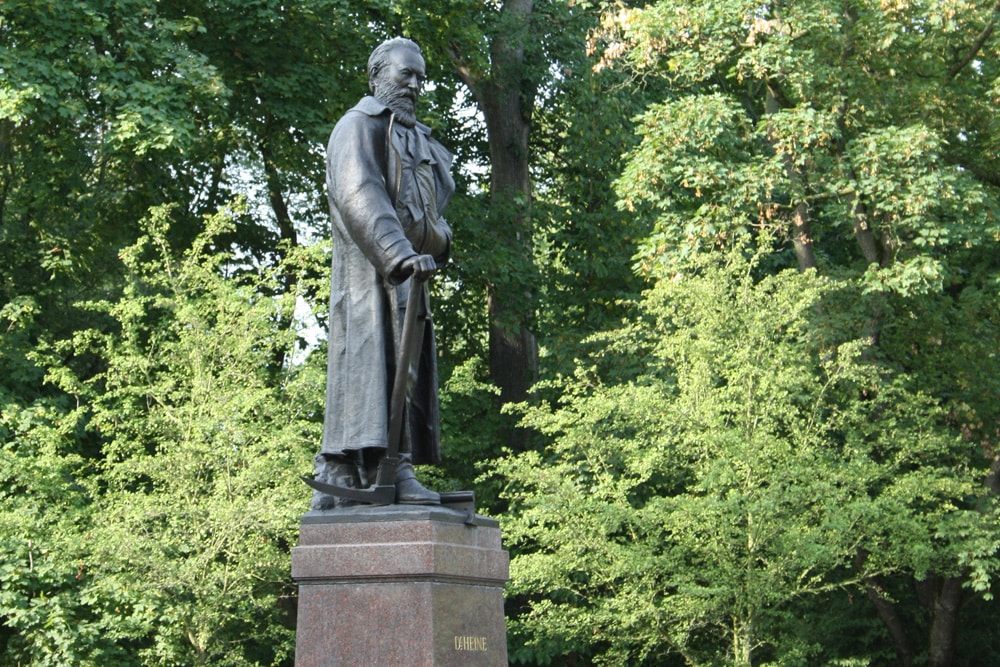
(371, 106)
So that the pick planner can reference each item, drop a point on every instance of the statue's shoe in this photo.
(336, 473)
(411, 492)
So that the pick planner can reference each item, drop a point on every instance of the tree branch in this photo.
(285, 226)
(887, 613)
(465, 74)
(976, 47)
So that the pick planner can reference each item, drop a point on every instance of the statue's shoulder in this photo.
(367, 112)
(370, 107)
(368, 118)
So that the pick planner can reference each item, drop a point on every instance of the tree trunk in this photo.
(286, 230)
(887, 612)
(6, 170)
(801, 231)
(859, 211)
(947, 599)
(275, 195)
(742, 642)
(506, 98)
(863, 231)
(513, 348)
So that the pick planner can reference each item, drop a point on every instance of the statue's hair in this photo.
(380, 56)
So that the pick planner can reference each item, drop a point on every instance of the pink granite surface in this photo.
(401, 592)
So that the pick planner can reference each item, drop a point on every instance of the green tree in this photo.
(557, 261)
(99, 104)
(110, 110)
(513, 60)
(290, 70)
(584, 242)
(201, 445)
(720, 464)
(823, 122)
(179, 539)
(499, 56)
(854, 140)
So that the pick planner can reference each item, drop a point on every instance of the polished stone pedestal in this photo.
(399, 585)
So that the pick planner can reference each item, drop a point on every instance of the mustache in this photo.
(390, 90)
(394, 94)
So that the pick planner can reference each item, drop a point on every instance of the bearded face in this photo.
(400, 99)
(397, 83)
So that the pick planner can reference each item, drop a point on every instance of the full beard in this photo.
(400, 100)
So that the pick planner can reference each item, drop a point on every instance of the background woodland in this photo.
(720, 346)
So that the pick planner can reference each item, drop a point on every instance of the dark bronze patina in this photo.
(388, 182)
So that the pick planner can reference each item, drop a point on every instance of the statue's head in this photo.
(396, 72)
(380, 57)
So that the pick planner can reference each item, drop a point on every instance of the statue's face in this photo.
(399, 81)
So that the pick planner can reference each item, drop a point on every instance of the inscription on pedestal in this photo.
(470, 643)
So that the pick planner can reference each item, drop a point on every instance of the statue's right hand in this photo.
(420, 267)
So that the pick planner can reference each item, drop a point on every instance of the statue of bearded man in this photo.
(387, 182)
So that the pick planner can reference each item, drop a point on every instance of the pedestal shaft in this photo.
(399, 586)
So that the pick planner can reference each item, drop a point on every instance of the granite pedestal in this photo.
(399, 585)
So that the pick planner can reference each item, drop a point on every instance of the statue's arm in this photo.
(355, 173)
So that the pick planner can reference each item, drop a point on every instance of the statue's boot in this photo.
(338, 471)
(408, 490)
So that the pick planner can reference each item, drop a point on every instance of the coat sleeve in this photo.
(355, 179)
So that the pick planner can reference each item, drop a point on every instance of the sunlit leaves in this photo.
(737, 472)
(781, 107)
(173, 524)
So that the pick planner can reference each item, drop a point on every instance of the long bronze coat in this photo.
(381, 196)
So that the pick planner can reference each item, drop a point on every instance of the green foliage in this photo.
(728, 468)
(100, 103)
(786, 106)
(201, 449)
(149, 417)
(46, 608)
(173, 546)
(289, 71)
(691, 508)
(823, 436)
(583, 242)
(468, 420)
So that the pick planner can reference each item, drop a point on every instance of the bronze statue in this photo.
(387, 183)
